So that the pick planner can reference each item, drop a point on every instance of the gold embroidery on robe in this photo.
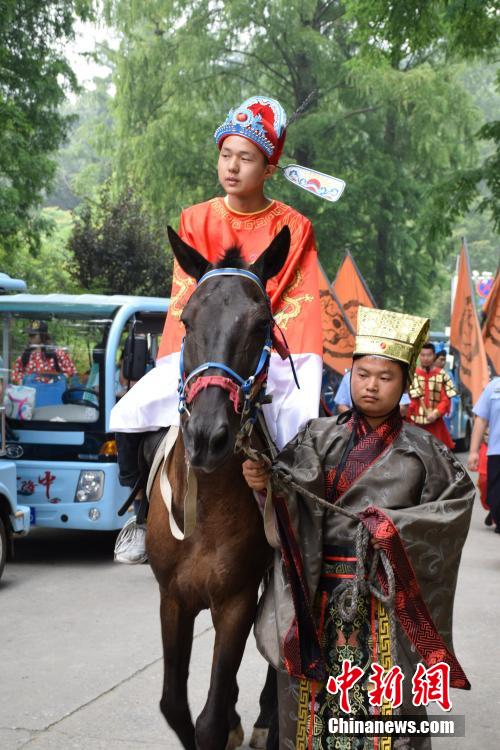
(177, 301)
(291, 306)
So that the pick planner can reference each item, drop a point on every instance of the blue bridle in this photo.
(245, 384)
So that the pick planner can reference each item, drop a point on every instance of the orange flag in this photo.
(338, 333)
(465, 337)
(491, 326)
(351, 289)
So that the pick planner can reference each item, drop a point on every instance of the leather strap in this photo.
(190, 500)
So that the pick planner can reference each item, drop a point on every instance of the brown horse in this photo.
(220, 565)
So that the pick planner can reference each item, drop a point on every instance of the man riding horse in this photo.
(250, 143)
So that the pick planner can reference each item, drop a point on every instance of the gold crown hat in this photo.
(392, 335)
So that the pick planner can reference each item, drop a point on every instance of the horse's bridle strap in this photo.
(215, 380)
(241, 390)
(234, 272)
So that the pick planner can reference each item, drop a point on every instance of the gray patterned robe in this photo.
(428, 495)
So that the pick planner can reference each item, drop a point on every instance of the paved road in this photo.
(80, 653)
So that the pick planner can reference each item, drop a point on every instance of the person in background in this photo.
(430, 395)
(440, 363)
(487, 411)
(482, 478)
(41, 356)
(440, 360)
(343, 397)
(450, 385)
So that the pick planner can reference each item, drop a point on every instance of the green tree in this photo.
(84, 162)
(117, 249)
(34, 79)
(50, 269)
(384, 110)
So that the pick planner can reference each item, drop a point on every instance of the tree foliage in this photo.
(384, 110)
(50, 270)
(117, 249)
(34, 79)
(84, 161)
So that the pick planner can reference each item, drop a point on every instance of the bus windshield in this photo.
(52, 367)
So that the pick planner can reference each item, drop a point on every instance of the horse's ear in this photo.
(273, 259)
(189, 259)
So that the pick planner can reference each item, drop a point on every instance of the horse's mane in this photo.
(231, 259)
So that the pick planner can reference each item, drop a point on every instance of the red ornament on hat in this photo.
(259, 119)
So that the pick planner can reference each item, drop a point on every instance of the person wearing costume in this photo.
(487, 417)
(368, 515)
(250, 143)
(450, 385)
(41, 356)
(430, 392)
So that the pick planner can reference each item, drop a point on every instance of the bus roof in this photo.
(78, 304)
(7, 284)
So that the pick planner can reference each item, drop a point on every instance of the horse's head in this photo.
(227, 321)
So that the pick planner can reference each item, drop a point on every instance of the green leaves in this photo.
(34, 79)
(117, 249)
(386, 112)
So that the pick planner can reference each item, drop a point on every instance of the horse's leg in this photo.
(236, 735)
(232, 714)
(273, 736)
(232, 622)
(177, 636)
(268, 702)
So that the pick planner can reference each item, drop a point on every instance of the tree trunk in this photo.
(382, 259)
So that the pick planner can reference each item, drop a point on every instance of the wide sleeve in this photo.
(434, 530)
(182, 288)
(298, 559)
(295, 291)
(302, 462)
(287, 642)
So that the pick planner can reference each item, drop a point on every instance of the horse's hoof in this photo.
(259, 738)
(236, 737)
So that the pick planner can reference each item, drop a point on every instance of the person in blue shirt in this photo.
(487, 411)
(343, 398)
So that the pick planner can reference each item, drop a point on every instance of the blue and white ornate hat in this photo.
(261, 120)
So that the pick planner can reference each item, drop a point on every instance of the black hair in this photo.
(429, 345)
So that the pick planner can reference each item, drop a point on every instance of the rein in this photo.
(243, 392)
